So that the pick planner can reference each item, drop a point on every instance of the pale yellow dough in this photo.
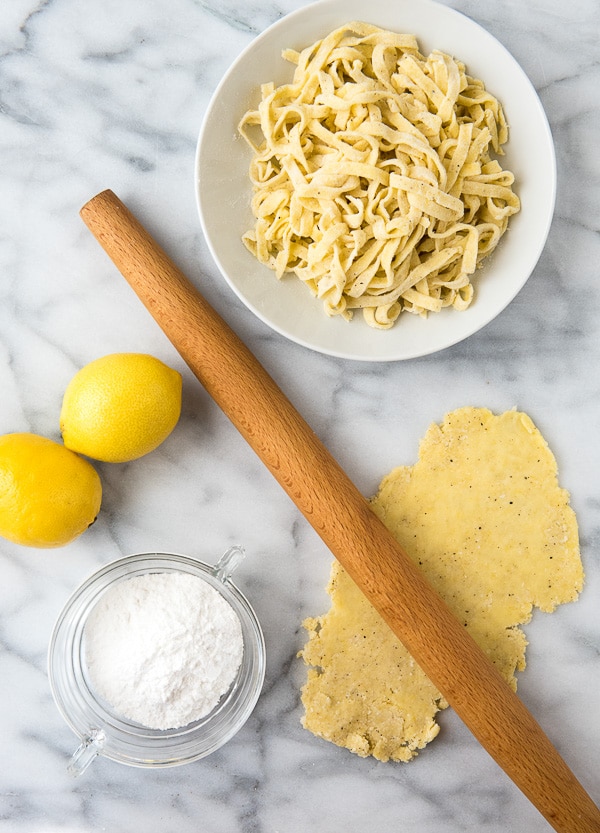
(483, 515)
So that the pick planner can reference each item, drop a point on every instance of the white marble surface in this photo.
(106, 93)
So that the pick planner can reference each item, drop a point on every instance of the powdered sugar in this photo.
(163, 648)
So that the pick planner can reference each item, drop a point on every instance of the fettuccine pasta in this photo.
(373, 175)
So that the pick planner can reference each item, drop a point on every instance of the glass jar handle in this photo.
(85, 753)
(228, 562)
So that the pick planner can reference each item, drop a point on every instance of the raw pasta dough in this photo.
(483, 515)
(373, 175)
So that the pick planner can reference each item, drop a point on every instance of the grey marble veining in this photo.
(106, 93)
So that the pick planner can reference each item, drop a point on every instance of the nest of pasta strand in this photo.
(375, 178)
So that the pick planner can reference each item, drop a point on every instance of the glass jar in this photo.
(104, 732)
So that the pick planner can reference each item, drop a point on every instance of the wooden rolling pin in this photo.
(344, 520)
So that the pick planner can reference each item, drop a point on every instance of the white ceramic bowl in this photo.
(224, 190)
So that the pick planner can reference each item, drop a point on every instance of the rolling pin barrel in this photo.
(343, 518)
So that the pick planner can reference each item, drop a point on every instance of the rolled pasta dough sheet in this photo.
(482, 514)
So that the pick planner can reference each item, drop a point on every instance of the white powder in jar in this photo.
(163, 648)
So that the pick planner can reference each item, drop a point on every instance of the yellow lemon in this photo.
(48, 494)
(120, 407)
